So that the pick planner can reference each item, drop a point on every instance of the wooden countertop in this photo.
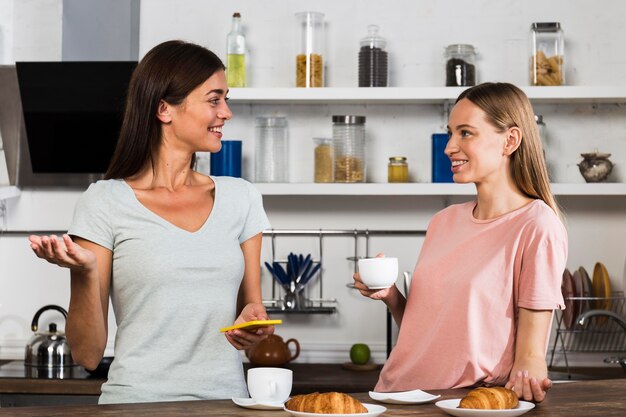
(306, 378)
(604, 398)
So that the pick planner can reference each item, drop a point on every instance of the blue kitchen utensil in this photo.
(276, 276)
(307, 277)
(308, 263)
(281, 274)
(303, 268)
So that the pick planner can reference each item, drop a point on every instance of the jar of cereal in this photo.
(349, 146)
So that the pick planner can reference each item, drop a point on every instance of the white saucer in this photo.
(249, 403)
(373, 410)
(416, 396)
(451, 407)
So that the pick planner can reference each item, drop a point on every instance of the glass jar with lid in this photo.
(310, 61)
(349, 146)
(547, 46)
(373, 62)
(460, 65)
(271, 151)
(398, 169)
(323, 155)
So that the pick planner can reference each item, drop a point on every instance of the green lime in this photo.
(360, 354)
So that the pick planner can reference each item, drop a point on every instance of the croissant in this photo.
(325, 403)
(495, 398)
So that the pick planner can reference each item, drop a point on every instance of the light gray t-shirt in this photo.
(171, 291)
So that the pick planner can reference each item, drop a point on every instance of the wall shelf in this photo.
(416, 95)
(409, 189)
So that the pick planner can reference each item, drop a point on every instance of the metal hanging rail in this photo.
(320, 234)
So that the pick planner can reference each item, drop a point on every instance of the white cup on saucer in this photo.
(378, 273)
(269, 385)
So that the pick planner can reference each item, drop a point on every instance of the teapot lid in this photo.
(595, 154)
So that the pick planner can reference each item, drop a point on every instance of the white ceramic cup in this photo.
(269, 385)
(378, 273)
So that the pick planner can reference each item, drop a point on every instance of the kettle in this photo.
(48, 349)
(272, 351)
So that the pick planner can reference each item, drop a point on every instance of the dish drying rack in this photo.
(321, 305)
(600, 327)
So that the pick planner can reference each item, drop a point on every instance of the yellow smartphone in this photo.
(251, 325)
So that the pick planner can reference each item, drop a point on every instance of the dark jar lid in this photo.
(546, 26)
(349, 120)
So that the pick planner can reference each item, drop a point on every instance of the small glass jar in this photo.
(547, 46)
(310, 61)
(349, 146)
(373, 62)
(398, 169)
(324, 161)
(271, 152)
(460, 67)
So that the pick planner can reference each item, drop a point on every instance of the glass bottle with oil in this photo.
(236, 54)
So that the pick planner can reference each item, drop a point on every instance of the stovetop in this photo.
(17, 369)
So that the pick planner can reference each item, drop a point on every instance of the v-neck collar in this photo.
(169, 224)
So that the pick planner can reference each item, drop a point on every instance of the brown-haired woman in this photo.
(177, 252)
(488, 276)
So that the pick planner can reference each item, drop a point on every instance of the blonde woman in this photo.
(488, 276)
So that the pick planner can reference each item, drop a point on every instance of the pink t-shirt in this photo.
(458, 327)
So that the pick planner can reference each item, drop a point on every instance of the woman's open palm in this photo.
(63, 252)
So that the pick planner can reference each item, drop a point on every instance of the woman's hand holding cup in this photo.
(376, 276)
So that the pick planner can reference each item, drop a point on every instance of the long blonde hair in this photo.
(508, 106)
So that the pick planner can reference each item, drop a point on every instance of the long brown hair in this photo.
(507, 106)
(168, 72)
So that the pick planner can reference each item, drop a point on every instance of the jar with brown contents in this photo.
(324, 164)
(349, 146)
(546, 62)
(309, 61)
(309, 70)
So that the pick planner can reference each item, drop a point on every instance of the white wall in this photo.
(416, 32)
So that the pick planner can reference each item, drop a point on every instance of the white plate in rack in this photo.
(452, 407)
(416, 396)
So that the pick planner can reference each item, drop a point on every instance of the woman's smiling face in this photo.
(475, 147)
(197, 122)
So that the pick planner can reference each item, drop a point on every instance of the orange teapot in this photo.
(272, 351)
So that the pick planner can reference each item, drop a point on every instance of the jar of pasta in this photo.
(546, 62)
(324, 165)
(309, 61)
(349, 146)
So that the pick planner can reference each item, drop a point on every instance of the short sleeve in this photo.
(543, 263)
(92, 217)
(256, 220)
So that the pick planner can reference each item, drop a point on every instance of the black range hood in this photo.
(60, 120)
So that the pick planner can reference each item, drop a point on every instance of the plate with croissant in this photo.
(417, 396)
(330, 404)
(482, 402)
